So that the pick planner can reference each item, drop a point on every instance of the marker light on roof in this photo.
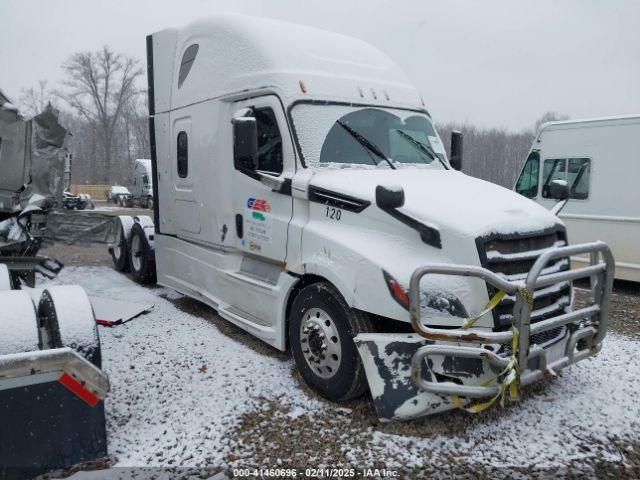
(386, 95)
(360, 92)
(373, 92)
(303, 89)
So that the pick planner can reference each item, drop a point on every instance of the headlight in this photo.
(439, 300)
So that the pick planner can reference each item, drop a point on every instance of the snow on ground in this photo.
(177, 384)
(107, 207)
(181, 390)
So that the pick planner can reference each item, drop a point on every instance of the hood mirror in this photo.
(389, 198)
(559, 190)
(456, 150)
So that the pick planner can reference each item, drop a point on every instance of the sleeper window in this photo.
(183, 155)
(187, 62)
(269, 141)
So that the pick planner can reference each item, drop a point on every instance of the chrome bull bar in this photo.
(600, 274)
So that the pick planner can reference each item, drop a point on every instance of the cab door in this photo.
(262, 214)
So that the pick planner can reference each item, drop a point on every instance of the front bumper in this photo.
(412, 375)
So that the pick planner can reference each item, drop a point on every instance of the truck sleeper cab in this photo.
(303, 192)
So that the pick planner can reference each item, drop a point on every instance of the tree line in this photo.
(104, 107)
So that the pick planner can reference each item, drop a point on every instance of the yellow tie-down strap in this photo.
(511, 374)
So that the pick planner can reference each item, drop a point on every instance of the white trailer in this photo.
(600, 161)
(302, 191)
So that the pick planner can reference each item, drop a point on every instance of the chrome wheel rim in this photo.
(136, 252)
(320, 342)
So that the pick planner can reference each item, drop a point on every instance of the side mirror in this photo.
(245, 143)
(389, 198)
(456, 150)
(559, 190)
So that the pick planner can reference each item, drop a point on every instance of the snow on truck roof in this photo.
(583, 121)
(236, 53)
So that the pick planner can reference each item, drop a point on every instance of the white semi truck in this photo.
(302, 191)
(141, 193)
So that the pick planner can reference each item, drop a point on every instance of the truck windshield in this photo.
(329, 135)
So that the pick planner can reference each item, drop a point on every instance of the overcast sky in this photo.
(492, 63)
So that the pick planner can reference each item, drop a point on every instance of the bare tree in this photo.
(34, 100)
(98, 86)
(550, 117)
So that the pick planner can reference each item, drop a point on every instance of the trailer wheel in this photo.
(150, 203)
(67, 320)
(321, 331)
(18, 323)
(120, 253)
(141, 258)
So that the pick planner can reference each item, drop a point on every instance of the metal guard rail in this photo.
(601, 280)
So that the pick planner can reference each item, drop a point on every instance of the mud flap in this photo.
(387, 362)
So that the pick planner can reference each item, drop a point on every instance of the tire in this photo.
(318, 310)
(150, 203)
(120, 253)
(18, 323)
(142, 261)
(66, 315)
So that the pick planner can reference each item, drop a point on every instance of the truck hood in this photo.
(444, 199)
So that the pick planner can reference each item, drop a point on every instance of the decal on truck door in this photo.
(258, 225)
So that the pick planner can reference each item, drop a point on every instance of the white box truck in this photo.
(302, 191)
(600, 161)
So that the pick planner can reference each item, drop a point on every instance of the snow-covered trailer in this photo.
(51, 383)
(599, 158)
(303, 192)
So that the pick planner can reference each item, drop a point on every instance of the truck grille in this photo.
(512, 256)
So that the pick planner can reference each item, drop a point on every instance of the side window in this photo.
(528, 182)
(135, 181)
(578, 177)
(269, 141)
(145, 180)
(554, 169)
(575, 171)
(183, 155)
(187, 62)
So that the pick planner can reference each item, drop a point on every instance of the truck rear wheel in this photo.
(321, 331)
(120, 253)
(141, 258)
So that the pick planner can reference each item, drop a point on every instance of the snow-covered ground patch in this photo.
(185, 394)
(177, 384)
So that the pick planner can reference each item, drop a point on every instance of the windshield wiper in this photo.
(366, 143)
(422, 147)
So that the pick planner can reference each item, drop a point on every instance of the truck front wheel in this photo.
(141, 258)
(321, 331)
